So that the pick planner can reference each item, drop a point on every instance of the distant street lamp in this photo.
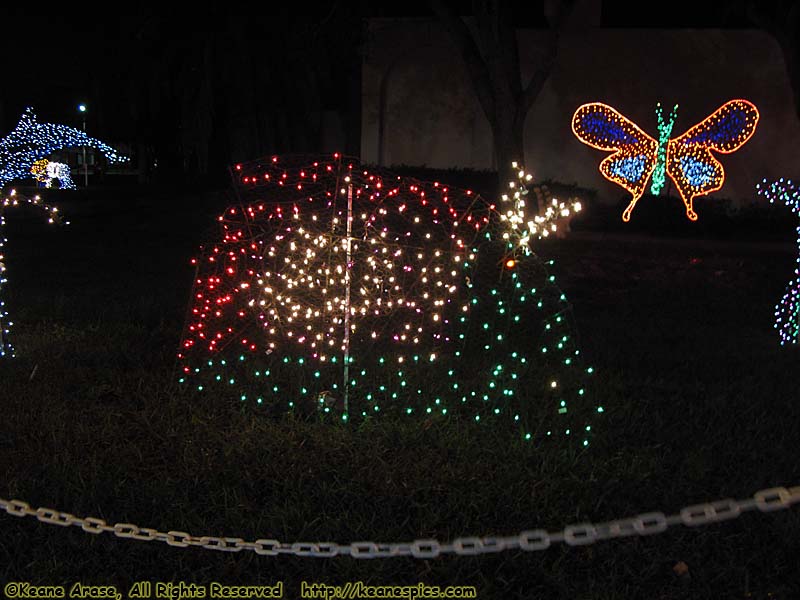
(82, 109)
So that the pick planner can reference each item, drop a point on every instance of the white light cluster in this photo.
(299, 293)
(540, 226)
(44, 171)
(60, 171)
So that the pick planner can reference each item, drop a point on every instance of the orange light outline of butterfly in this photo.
(677, 148)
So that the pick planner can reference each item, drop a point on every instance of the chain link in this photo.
(580, 534)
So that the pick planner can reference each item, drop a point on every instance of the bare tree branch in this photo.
(471, 55)
(491, 55)
(484, 26)
(538, 79)
(557, 13)
(782, 21)
(509, 48)
(497, 41)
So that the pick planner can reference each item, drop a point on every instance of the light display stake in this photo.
(12, 200)
(31, 141)
(332, 281)
(689, 161)
(787, 311)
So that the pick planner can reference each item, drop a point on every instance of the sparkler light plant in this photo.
(12, 200)
(522, 226)
(31, 141)
(351, 291)
(787, 311)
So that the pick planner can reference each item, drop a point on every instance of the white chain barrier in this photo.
(580, 534)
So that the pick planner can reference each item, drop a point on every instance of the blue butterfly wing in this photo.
(690, 163)
(726, 129)
(630, 166)
(629, 169)
(602, 127)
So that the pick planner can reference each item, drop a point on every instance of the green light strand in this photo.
(664, 131)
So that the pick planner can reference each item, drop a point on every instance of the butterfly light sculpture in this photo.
(687, 159)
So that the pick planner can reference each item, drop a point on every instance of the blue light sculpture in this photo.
(31, 141)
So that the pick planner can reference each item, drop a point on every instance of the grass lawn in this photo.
(700, 400)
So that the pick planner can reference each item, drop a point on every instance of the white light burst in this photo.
(521, 227)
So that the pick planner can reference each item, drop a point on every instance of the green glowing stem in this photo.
(664, 131)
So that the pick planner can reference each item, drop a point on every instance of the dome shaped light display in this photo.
(341, 289)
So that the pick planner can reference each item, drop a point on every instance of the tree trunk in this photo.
(491, 57)
(509, 147)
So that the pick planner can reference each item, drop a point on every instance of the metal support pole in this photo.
(85, 166)
(347, 302)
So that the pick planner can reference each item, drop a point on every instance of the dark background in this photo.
(172, 84)
(701, 399)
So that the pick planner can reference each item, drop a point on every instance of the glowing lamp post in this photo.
(82, 109)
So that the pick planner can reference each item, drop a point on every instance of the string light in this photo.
(31, 141)
(10, 201)
(787, 311)
(687, 159)
(356, 292)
